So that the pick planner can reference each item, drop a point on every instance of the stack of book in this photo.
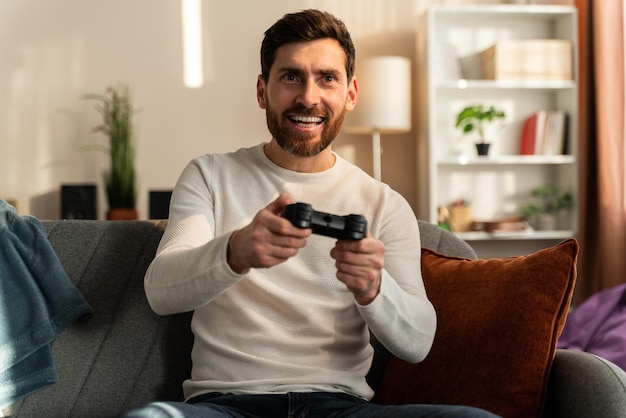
(525, 59)
(545, 133)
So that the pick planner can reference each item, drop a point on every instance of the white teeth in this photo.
(307, 119)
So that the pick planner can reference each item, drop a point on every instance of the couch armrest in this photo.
(584, 385)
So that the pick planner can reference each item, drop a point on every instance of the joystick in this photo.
(303, 216)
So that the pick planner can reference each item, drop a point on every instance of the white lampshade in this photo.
(384, 99)
(383, 103)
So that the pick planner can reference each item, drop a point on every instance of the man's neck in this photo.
(321, 162)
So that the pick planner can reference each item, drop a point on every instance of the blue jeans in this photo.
(295, 405)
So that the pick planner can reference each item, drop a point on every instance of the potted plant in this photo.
(478, 118)
(550, 201)
(120, 179)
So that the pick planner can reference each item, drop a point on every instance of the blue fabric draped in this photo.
(37, 302)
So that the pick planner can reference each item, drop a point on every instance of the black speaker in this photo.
(159, 204)
(78, 201)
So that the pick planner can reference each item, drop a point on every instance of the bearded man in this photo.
(282, 318)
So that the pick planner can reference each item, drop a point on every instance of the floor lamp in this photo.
(384, 101)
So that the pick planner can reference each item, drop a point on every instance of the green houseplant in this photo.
(120, 179)
(478, 118)
(549, 200)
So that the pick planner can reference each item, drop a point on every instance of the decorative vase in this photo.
(461, 218)
(122, 214)
(482, 148)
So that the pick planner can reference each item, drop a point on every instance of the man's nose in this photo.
(310, 94)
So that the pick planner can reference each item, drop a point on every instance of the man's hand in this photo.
(267, 241)
(359, 266)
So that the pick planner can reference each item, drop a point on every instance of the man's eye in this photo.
(290, 77)
(329, 78)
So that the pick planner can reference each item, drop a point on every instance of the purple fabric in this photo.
(598, 326)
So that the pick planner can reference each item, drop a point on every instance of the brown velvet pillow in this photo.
(498, 324)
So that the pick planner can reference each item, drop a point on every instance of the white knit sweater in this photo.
(293, 327)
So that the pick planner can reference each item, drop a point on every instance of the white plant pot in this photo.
(546, 222)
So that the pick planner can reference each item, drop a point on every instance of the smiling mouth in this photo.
(306, 121)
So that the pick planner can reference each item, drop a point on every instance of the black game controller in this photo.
(302, 215)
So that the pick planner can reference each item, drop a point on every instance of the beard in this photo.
(299, 144)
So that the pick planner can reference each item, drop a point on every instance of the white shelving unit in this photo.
(449, 39)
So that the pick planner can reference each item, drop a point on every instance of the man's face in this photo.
(306, 96)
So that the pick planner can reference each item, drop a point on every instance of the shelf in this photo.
(507, 160)
(517, 235)
(515, 10)
(450, 39)
(464, 84)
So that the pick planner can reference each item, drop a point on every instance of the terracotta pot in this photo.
(122, 214)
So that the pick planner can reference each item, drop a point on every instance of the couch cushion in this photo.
(498, 324)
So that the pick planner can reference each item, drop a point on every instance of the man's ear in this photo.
(353, 92)
(260, 92)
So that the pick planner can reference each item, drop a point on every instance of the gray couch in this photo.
(125, 355)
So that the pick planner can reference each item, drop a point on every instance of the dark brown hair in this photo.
(304, 26)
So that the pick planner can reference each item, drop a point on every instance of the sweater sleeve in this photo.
(405, 324)
(401, 317)
(190, 268)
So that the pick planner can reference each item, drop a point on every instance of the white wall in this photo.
(52, 52)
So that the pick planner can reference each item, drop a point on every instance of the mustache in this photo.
(302, 110)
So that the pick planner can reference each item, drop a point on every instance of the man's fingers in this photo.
(277, 206)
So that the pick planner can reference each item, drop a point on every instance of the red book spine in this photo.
(529, 133)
